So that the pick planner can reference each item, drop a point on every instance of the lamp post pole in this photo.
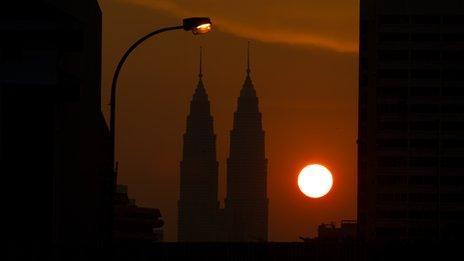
(198, 25)
(114, 85)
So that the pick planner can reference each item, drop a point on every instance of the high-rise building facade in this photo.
(54, 142)
(246, 204)
(198, 204)
(411, 120)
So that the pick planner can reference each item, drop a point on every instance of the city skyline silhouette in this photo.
(298, 147)
(246, 206)
(296, 87)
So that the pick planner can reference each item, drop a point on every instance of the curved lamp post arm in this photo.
(115, 81)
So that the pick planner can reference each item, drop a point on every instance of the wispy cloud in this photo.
(270, 21)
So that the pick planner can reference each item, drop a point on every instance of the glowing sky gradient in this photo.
(295, 22)
(304, 68)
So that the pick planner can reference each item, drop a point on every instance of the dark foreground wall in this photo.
(336, 251)
(53, 165)
(237, 251)
(411, 120)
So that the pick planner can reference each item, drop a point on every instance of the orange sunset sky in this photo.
(304, 66)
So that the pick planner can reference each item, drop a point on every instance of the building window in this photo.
(393, 37)
(453, 91)
(453, 126)
(422, 180)
(425, 74)
(422, 197)
(393, 55)
(423, 126)
(389, 232)
(453, 37)
(452, 198)
(424, 143)
(425, 37)
(425, 91)
(391, 162)
(457, 214)
(422, 214)
(425, 108)
(452, 144)
(392, 108)
(453, 19)
(426, 19)
(452, 162)
(453, 56)
(392, 143)
(391, 214)
(453, 75)
(453, 108)
(393, 19)
(426, 55)
(395, 91)
(423, 162)
(392, 126)
(389, 180)
(393, 74)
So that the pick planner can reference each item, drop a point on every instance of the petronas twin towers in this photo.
(245, 216)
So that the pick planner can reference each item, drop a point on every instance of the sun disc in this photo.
(315, 181)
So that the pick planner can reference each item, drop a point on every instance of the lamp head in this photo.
(198, 25)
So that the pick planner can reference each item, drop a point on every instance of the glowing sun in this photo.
(315, 181)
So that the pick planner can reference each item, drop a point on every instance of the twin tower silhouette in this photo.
(245, 215)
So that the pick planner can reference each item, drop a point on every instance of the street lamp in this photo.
(198, 25)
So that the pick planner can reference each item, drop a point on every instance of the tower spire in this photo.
(200, 74)
(200, 92)
(248, 59)
(248, 85)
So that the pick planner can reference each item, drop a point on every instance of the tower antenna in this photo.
(201, 54)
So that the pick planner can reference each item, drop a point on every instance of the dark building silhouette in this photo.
(346, 230)
(411, 120)
(54, 146)
(198, 204)
(246, 205)
(248, 251)
(134, 224)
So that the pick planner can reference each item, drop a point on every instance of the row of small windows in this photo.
(420, 144)
(388, 232)
(425, 74)
(393, 37)
(401, 143)
(421, 108)
(436, 108)
(421, 19)
(457, 126)
(421, 91)
(420, 180)
(421, 55)
(421, 233)
(420, 197)
(455, 91)
(420, 162)
(419, 214)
